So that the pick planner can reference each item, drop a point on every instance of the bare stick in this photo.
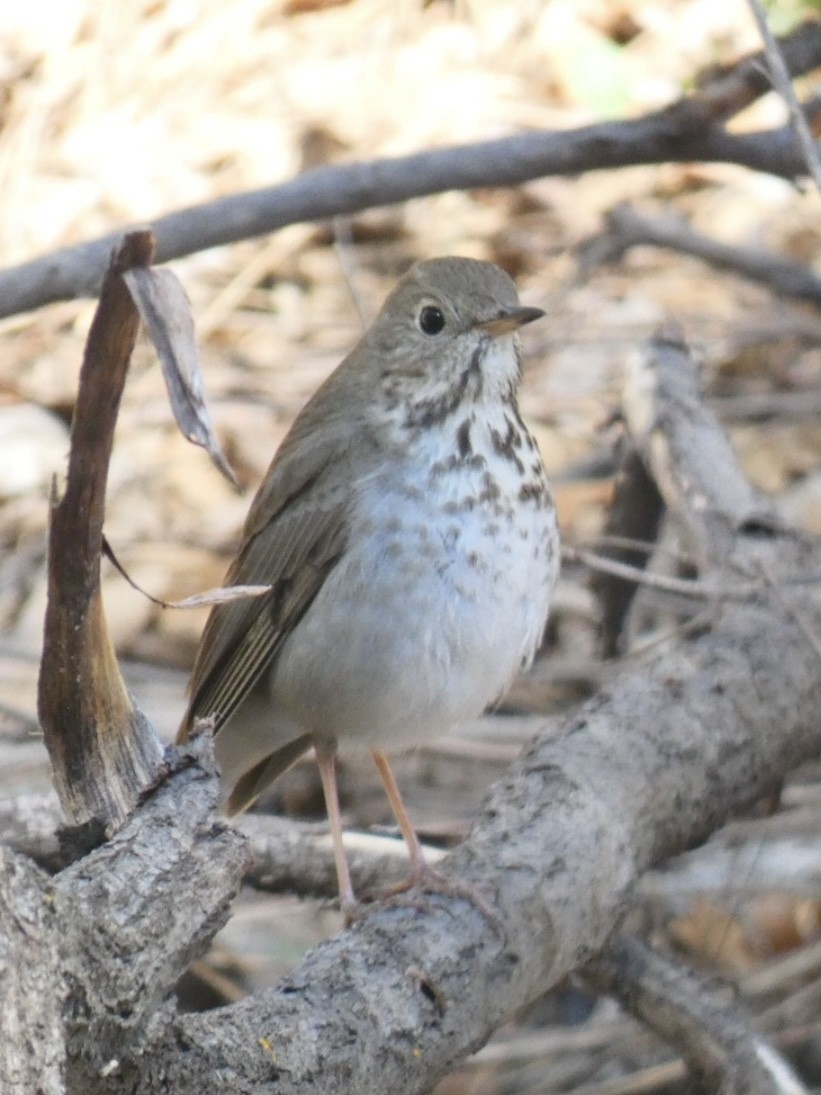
(627, 228)
(667, 583)
(690, 129)
(782, 81)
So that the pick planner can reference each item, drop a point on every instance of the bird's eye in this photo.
(431, 320)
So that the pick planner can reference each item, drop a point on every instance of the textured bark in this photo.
(676, 748)
(32, 985)
(88, 958)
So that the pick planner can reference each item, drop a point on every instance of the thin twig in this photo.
(685, 587)
(644, 646)
(783, 84)
(646, 547)
(689, 587)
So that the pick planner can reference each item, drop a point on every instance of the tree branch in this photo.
(688, 130)
(633, 777)
(32, 1048)
(780, 76)
(723, 1051)
(626, 228)
(125, 935)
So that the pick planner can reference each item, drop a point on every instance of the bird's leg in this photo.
(421, 873)
(419, 867)
(326, 762)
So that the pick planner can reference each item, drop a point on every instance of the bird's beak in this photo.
(510, 319)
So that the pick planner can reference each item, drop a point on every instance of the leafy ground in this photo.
(110, 115)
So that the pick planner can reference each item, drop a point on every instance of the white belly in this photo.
(440, 599)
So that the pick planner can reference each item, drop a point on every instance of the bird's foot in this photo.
(424, 880)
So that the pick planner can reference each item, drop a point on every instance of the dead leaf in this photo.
(166, 312)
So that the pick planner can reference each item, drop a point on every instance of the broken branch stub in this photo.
(670, 461)
(103, 751)
(683, 447)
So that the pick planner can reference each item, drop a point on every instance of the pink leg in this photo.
(326, 762)
(419, 868)
(421, 874)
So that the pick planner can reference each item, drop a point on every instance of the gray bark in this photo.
(32, 984)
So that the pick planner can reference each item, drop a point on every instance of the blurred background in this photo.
(111, 115)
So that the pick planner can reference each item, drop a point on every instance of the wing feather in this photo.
(295, 532)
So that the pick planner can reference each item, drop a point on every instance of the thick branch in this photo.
(125, 935)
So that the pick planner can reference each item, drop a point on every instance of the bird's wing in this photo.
(295, 533)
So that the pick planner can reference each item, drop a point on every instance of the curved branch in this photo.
(626, 227)
(713, 1034)
(103, 750)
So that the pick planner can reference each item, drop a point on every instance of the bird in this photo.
(408, 534)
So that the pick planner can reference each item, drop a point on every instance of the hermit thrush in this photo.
(408, 533)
